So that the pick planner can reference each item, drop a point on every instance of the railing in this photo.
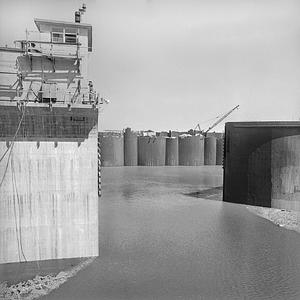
(67, 97)
(38, 48)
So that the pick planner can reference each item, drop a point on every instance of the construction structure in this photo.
(130, 148)
(262, 164)
(198, 129)
(49, 166)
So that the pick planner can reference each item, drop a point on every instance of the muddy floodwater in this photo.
(159, 242)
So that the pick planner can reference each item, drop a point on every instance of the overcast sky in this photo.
(170, 64)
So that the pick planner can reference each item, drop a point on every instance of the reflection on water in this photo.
(158, 243)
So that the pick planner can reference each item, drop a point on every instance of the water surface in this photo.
(156, 242)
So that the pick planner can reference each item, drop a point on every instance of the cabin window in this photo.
(57, 35)
(70, 38)
(71, 35)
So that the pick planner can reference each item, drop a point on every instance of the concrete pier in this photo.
(48, 192)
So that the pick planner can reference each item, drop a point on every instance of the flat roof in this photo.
(38, 22)
(264, 124)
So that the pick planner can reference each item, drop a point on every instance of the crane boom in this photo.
(220, 120)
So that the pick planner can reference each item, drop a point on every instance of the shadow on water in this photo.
(214, 193)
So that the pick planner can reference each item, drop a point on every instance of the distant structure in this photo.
(205, 132)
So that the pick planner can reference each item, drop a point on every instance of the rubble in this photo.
(39, 285)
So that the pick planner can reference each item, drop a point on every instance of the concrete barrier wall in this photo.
(219, 151)
(286, 173)
(210, 144)
(151, 151)
(48, 200)
(191, 151)
(130, 148)
(262, 164)
(274, 174)
(172, 158)
(112, 151)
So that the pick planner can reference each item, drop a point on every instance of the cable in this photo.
(4, 153)
(11, 146)
(18, 199)
(16, 225)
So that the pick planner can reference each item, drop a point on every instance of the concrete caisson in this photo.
(112, 150)
(262, 164)
(210, 144)
(285, 173)
(219, 151)
(191, 151)
(151, 151)
(48, 183)
(171, 151)
(130, 148)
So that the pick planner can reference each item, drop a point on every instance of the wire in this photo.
(11, 146)
(18, 199)
(4, 153)
(16, 224)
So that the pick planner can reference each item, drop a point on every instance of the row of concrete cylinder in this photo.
(133, 150)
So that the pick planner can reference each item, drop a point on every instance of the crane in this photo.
(204, 133)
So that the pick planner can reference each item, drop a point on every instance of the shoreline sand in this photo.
(280, 217)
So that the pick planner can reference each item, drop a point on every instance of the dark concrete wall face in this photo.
(262, 164)
(219, 151)
(259, 176)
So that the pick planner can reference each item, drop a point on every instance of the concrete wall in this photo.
(210, 144)
(191, 151)
(151, 151)
(48, 197)
(130, 148)
(262, 164)
(219, 151)
(112, 151)
(172, 157)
